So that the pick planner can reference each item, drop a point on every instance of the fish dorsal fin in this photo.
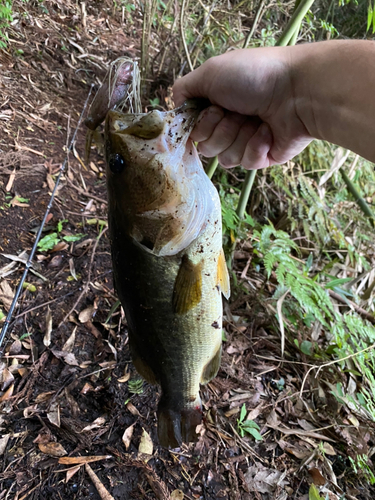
(223, 275)
(187, 291)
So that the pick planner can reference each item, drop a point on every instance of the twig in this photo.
(86, 287)
(43, 305)
(85, 193)
(102, 490)
(183, 35)
(362, 312)
(318, 368)
(255, 24)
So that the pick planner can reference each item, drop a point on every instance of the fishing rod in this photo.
(39, 233)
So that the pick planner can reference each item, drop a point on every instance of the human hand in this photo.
(253, 119)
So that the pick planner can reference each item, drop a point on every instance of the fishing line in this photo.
(39, 233)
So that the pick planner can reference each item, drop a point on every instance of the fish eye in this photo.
(116, 163)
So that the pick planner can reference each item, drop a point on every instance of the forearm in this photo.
(334, 89)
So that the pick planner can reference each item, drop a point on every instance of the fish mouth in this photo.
(175, 124)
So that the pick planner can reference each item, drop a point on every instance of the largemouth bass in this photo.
(166, 241)
(168, 262)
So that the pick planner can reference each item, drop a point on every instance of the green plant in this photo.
(275, 248)
(5, 19)
(248, 426)
(50, 240)
(371, 18)
(361, 464)
(135, 386)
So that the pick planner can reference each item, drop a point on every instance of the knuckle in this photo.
(229, 160)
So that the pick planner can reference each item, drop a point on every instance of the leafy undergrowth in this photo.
(291, 412)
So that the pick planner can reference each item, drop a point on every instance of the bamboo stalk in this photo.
(293, 40)
(358, 198)
(211, 167)
(245, 193)
(294, 22)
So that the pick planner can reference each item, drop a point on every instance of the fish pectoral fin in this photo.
(212, 367)
(187, 291)
(223, 281)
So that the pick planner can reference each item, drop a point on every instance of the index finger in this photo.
(194, 84)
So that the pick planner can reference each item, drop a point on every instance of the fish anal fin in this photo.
(212, 367)
(223, 276)
(187, 291)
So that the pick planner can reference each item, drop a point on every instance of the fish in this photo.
(165, 228)
(169, 267)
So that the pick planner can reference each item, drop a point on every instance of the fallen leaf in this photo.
(68, 357)
(316, 476)
(69, 344)
(6, 294)
(93, 329)
(72, 268)
(86, 314)
(6, 378)
(70, 473)
(50, 182)
(127, 436)
(3, 443)
(133, 410)
(48, 331)
(23, 372)
(113, 349)
(53, 449)
(43, 438)
(263, 480)
(53, 414)
(44, 396)
(83, 460)
(177, 495)
(56, 261)
(87, 388)
(7, 394)
(146, 447)
(98, 422)
(94, 167)
(328, 449)
(16, 347)
(125, 377)
(15, 202)
(60, 246)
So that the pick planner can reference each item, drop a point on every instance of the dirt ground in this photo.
(69, 393)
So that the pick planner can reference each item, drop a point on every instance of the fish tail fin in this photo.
(178, 426)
